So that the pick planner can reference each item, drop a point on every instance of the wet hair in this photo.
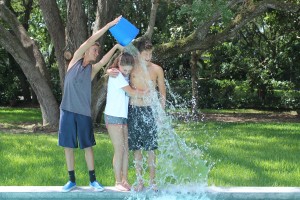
(144, 44)
(123, 59)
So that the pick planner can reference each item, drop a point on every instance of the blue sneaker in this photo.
(69, 186)
(96, 186)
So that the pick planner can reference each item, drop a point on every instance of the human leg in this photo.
(89, 158)
(125, 160)
(69, 154)
(71, 184)
(150, 144)
(116, 127)
(86, 140)
(67, 138)
(138, 161)
(152, 169)
(115, 133)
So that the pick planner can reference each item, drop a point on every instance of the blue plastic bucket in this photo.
(124, 31)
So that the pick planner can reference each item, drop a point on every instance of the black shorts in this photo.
(142, 130)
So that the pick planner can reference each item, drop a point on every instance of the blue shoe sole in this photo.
(97, 189)
(68, 190)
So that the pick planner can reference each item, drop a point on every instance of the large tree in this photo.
(17, 42)
(67, 36)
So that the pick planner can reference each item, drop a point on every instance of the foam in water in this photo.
(177, 163)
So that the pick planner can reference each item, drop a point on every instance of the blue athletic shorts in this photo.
(75, 128)
(114, 120)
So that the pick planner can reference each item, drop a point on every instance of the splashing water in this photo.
(177, 164)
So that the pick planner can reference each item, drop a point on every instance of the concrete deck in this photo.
(215, 193)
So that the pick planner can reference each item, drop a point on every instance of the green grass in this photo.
(241, 154)
(35, 159)
(249, 154)
(20, 115)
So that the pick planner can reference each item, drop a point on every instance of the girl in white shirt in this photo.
(115, 114)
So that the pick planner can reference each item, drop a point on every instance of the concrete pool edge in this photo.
(224, 193)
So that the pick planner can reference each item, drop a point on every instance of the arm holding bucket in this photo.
(105, 59)
(91, 41)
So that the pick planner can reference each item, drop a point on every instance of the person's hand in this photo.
(120, 47)
(114, 22)
(113, 72)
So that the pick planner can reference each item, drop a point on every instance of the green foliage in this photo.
(260, 61)
(202, 10)
(216, 93)
(8, 77)
(243, 71)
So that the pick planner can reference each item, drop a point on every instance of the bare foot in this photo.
(126, 185)
(119, 186)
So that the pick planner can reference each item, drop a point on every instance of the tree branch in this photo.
(21, 34)
(56, 30)
(151, 25)
(200, 40)
(76, 32)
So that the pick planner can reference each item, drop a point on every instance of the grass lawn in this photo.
(250, 154)
(242, 154)
(35, 159)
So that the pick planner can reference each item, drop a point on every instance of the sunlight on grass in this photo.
(241, 154)
(249, 154)
(20, 115)
(35, 159)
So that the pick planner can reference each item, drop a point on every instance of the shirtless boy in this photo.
(142, 131)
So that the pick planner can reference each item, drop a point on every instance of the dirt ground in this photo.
(251, 117)
(280, 117)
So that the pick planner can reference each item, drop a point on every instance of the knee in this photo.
(69, 150)
(88, 150)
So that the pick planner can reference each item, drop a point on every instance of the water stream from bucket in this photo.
(178, 164)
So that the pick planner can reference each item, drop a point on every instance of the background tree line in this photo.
(237, 53)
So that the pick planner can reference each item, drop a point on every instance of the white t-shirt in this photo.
(116, 99)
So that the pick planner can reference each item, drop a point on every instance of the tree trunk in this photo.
(76, 31)
(26, 53)
(106, 10)
(56, 30)
(99, 97)
(194, 76)
(153, 14)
